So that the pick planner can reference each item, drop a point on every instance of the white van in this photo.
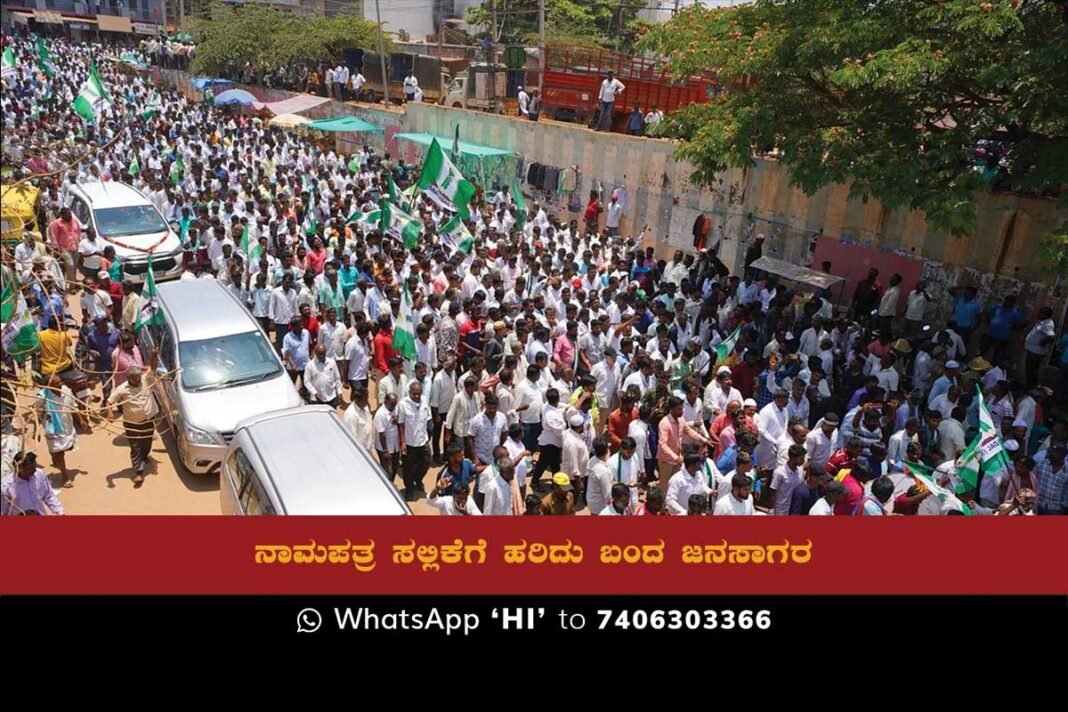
(303, 461)
(220, 369)
(128, 221)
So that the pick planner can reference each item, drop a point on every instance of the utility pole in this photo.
(491, 60)
(181, 14)
(163, 14)
(382, 53)
(441, 27)
(541, 44)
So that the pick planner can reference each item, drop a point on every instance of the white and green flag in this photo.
(135, 166)
(93, 97)
(925, 476)
(19, 331)
(444, 183)
(44, 59)
(985, 454)
(398, 224)
(153, 106)
(149, 312)
(725, 347)
(404, 330)
(7, 64)
(455, 235)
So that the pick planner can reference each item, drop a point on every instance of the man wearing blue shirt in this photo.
(966, 310)
(1005, 318)
(295, 347)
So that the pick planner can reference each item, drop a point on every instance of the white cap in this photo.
(952, 364)
(1011, 445)
(1019, 423)
(576, 420)
(749, 403)
(723, 370)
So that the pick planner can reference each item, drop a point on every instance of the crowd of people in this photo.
(558, 366)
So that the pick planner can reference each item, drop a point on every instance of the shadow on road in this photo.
(192, 482)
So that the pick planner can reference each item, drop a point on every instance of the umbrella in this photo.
(289, 121)
(235, 96)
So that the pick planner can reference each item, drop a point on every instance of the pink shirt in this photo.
(123, 361)
(669, 446)
(65, 235)
(564, 352)
(727, 438)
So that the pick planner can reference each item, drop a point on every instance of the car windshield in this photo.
(227, 361)
(129, 220)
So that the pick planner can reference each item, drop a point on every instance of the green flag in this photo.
(93, 97)
(454, 234)
(149, 312)
(986, 454)
(311, 223)
(725, 347)
(392, 190)
(44, 59)
(177, 170)
(404, 331)
(520, 205)
(444, 183)
(7, 64)
(19, 337)
(135, 166)
(925, 476)
(399, 225)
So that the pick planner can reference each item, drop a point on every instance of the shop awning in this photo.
(342, 124)
(467, 149)
(796, 273)
(289, 121)
(292, 105)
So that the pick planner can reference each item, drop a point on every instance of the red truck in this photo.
(573, 76)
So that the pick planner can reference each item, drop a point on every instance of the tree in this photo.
(919, 103)
(271, 37)
(595, 23)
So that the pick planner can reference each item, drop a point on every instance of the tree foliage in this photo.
(603, 23)
(272, 37)
(919, 103)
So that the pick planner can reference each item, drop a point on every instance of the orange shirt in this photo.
(619, 425)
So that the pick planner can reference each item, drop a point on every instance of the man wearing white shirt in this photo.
(833, 493)
(822, 441)
(413, 414)
(442, 393)
(788, 477)
(719, 393)
(688, 481)
(321, 378)
(458, 503)
(613, 216)
(607, 373)
(357, 80)
(610, 89)
(356, 357)
(359, 419)
(485, 430)
(626, 469)
(897, 449)
(771, 424)
(387, 436)
(739, 501)
(812, 337)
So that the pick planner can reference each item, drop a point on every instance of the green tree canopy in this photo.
(273, 37)
(603, 23)
(919, 103)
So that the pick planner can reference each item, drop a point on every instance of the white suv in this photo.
(125, 219)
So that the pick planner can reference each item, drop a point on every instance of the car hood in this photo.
(220, 410)
(133, 246)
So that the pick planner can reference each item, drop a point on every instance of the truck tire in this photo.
(457, 105)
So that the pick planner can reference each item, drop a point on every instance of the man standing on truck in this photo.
(410, 85)
(524, 102)
(610, 89)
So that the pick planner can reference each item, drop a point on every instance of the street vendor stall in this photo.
(815, 279)
(492, 167)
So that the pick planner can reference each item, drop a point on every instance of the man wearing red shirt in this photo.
(383, 345)
(853, 480)
(317, 257)
(310, 323)
(470, 335)
(845, 458)
(744, 375)
(66, 233)
(118, 294)
(619, 420)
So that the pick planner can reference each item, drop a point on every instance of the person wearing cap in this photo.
(942, 384)
(561, 500)
(719, 393)
(833, 493)
(575, 455)
(973, 375)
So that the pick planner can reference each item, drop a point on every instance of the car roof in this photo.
(316, 466)
(203, 309)
(110, 194)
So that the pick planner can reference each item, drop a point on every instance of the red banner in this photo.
(544, 555)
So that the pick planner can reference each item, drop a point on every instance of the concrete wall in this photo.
(999, 257)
